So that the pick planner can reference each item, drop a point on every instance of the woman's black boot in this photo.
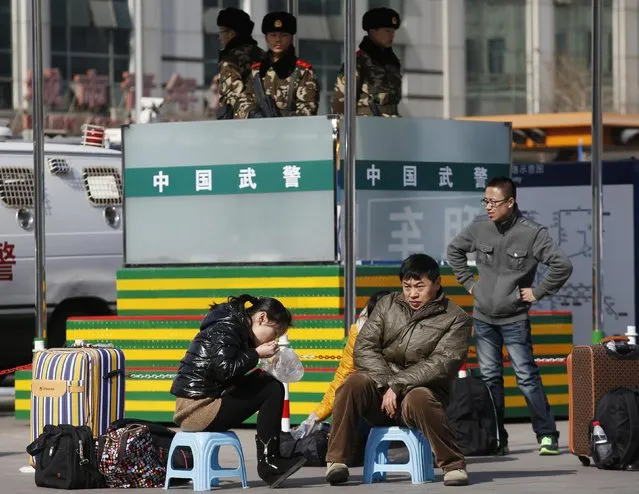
(271, 466)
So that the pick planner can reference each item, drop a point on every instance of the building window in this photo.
(396, 5)
(211, 57)
(326, 58)
(495, 57)
(309, 7)
(473, 57)
(496, 52)
(220, 4)
(91, 35)
(6, 86)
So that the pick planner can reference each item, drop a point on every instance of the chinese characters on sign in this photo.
(194, 179)
(373, 175)
(7, 261)
(160, 181)
(128, 84)
(410, 176)
(180, 90)
(91, 89)
(480, 174)
(408, 230)
(51, 87)
(529, 169)
(246, 178)
(292, 175)
(445, 175)
(203, 180)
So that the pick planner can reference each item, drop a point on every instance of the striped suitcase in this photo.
(592, 372)
(77, 386)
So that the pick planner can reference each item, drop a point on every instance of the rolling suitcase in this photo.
(77, 386)
(592, 372)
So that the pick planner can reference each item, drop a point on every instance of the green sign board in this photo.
(423, 176)
(258, 178)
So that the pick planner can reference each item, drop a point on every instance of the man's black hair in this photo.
(506, 185)
(416, 266)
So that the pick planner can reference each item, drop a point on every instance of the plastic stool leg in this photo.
(382, 459)
(242, 467)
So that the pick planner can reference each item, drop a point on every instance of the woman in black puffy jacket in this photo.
(218, 386)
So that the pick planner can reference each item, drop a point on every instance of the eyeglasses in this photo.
(493, 203)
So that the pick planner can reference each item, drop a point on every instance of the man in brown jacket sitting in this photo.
(406, 356)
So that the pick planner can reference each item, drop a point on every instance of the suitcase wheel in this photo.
(585, 461)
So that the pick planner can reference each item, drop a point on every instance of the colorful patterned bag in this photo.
(128, 458)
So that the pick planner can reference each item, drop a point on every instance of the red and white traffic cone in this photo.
(286, 411)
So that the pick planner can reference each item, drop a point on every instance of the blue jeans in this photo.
(516, 336)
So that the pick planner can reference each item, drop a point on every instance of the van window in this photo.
(103, 185)
(17, 187)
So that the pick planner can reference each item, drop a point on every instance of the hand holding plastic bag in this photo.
(285, 366)
(310, 425)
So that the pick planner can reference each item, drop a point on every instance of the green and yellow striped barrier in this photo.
(303, 289)
(153, 347)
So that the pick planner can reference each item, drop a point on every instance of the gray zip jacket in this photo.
(507, 255)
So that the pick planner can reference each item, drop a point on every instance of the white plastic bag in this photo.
(285, 366)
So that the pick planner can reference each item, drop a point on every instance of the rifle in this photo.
(375, 109)
(266, 103)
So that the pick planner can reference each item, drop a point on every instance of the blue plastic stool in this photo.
(206, 470)
(420, 459)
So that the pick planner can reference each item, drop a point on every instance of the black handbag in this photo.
(313, 447)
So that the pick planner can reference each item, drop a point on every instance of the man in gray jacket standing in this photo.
(508, 248)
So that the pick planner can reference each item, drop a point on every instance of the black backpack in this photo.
(162, 437)
(65, 458)
(472, 417)
(618, 414)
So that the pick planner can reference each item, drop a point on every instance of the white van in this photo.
(83, 201)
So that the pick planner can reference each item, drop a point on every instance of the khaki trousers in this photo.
(359, 397)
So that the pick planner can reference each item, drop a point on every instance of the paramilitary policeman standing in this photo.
(379, 77)
(282, 84)
(239, 52)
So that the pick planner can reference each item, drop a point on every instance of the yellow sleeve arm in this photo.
(346, 368)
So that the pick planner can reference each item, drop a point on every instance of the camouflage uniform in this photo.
(276, 80)
(235, 70)
(379, 82)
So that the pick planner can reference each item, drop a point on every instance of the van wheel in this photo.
(57, 324)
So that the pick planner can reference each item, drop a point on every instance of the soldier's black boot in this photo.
(271, 466)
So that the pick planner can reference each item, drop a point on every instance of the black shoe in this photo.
(273, 468)
(502, 450)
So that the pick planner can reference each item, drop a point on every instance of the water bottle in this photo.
(599, 438)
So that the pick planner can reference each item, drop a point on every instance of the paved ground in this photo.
(522, 472)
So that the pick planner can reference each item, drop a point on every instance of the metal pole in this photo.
(446, 59)
(38, 168)
(348, 138)
(597, 190)
(139, 71)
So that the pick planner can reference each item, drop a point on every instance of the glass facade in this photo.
(573, 55)
(5, 55)
(309, 7)
(495, 57)
(326, 58)
(93, 34)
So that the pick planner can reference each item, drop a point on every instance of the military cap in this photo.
(381, 17)
(235, 19)
(279, 22)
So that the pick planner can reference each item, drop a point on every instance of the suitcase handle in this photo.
(113, 373)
